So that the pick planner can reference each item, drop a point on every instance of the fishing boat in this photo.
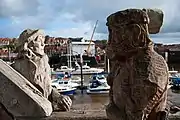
(171, 75)
(87, 70)
(65, 82)
(65, 87)
(76, 79)
(66, 78)
(97, 87)
(175, 79)
(99, 77)
(65, 69)
(65, 90)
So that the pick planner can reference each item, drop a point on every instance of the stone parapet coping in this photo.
(84, 115)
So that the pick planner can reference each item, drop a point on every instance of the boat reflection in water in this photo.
(89, 101)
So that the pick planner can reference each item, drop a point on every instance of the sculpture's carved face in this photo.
(126, 32)
(126, 38)
(31, 43)
(38, 45)
(122, 39)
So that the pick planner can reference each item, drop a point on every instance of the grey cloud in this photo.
(166, 38)
(166, 35)
(171, 16)
(39, 13)
(93, 10)
(10, 8)
(102, 28)
(29, 14)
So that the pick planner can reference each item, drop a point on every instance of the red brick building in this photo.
(57, 45)
(6, 48)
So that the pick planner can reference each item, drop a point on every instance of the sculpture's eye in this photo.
(40, 36)
(30, 44)
(29, 53)
(36, 38)
(42, 44)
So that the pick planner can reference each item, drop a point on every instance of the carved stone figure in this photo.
(139, 76)
(4, 114)
(17, 94)
(32, 63)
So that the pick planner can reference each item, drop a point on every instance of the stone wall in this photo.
(84, 115)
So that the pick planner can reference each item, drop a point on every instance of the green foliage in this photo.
(104, 41)
(11, 47)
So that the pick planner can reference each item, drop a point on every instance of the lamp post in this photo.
(81, 63)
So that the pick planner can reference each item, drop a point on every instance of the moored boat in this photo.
(175, 81)
(87, 70)
(97, 87)
(65, 83)
(65, 90)
(65, 69)
(99, 77)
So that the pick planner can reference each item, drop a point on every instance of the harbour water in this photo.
(89, 102)
(98, 102)
(84, 101)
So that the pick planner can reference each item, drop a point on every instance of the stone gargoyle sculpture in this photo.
(32, 63)
(139, 76)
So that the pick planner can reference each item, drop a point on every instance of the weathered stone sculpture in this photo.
(18, 97)
(139, 76)
(4, 114)
(32, 63)
(155, 20)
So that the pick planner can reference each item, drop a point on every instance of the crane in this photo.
(87, 51)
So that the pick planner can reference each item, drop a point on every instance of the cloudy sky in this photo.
(76, 18)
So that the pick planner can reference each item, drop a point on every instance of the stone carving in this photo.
(139, 76)
(60, 102)
(32, 63)
(17, 94)
(155, 20)
(4, 114)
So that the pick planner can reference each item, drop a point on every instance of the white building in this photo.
(79, 47)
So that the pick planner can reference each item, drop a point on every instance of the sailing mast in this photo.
(87, 51)
(70, 50)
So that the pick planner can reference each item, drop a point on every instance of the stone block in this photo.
(19, 96)
(156, 20)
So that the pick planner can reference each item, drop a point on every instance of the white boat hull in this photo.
(97, 92)
(78, 72)
(65, 83)
(71, 91)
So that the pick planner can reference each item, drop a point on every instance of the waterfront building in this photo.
(56, 46)
(81, 47)
(7, 48)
